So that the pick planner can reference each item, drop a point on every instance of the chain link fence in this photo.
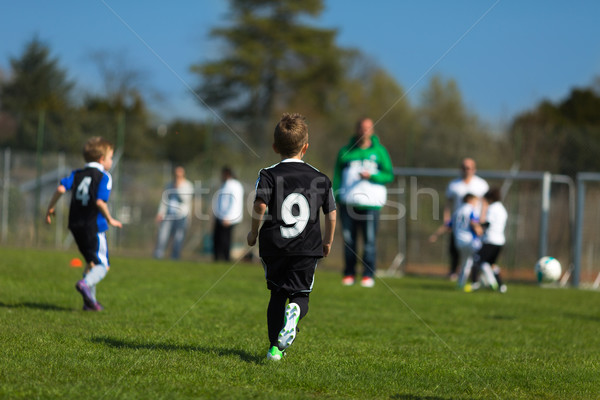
(414, 211)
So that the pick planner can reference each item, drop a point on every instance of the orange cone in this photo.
(76, 263)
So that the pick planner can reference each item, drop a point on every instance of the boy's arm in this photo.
(439, 231)
(329, 232)
(484, 208)
(60, 190)
(259, 209)
(477, 227)
(101, 204)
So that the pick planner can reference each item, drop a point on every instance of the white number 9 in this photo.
(298, 222)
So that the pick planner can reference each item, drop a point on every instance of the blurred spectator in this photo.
(174, 214)
(228, 207)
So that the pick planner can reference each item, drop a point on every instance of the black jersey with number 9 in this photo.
(294, 192)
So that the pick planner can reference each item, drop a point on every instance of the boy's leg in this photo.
(501, 285)
(454, 257)
(95, 275)
(302, 300)
(489, 276)
(275, 314)
(466, 261)
(94, 248)
(299, 284)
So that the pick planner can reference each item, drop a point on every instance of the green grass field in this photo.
(187, 330)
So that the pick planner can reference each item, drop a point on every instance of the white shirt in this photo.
(496, 215)
(457, 189)
(176, 202)
(357, 191)
(228, 202)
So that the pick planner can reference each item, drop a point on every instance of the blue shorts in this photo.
(92, 245)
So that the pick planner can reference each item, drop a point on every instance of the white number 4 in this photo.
(298, 222)
(83, 190)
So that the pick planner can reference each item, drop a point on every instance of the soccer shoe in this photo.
(348, 280)
(472, 287)
(367, 281)
(274, 354)
(96, 307)
(288, 332)
(84, 289)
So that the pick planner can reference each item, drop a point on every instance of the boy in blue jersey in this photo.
(89, 216)
(466, 231)
(290, 237)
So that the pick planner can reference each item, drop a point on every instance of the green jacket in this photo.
(349, 188)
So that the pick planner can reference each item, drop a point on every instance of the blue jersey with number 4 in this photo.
(88, 184)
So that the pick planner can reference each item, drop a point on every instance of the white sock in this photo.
(486, 269)
(95, 275)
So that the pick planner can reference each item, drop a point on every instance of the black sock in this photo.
(275, 314)
(302, 300)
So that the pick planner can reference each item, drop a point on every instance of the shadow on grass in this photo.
(415, 397)
(36, 306)
(441, 287)
(501, 317)
(122, 344)
(585, 317)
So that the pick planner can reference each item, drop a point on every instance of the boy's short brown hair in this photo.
(493, 195)
(469, 197)
(291, 133)
(95, 148)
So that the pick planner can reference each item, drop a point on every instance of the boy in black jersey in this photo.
(89, 216)
(290, 237)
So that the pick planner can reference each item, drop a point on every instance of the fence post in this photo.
(59, 220)
(5, 194)
(546, 183)
(579, 210)
(38, 175)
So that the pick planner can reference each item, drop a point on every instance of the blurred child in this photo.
(290, 237)
(466, 231)
(495, 217)
(89, 216)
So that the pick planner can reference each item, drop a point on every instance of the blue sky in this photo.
(505, 55)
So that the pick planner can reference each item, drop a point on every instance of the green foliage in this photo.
(123, 122)
(449, 132)
(183, 141)
(561, 138)
(37, 83)
(270, 59)
(188, 330)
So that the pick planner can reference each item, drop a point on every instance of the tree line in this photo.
(272, 61)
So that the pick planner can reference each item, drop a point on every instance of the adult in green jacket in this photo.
(362, 169)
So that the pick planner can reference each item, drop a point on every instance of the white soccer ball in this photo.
(547, 270)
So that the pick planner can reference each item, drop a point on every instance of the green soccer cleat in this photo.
(274, 354)
(288, 332)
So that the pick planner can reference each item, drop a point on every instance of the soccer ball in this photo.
(547, 270)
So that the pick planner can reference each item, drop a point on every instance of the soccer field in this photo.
(187, 330)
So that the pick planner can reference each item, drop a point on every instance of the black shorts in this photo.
(489, 253)
(92, 245)
(294, 274)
